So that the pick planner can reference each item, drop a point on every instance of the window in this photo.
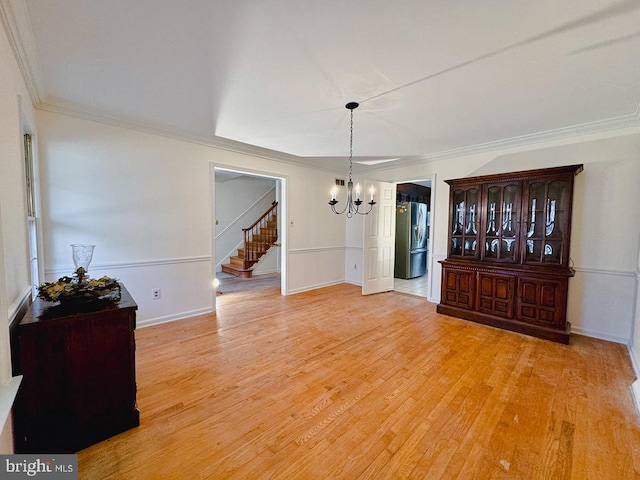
(32, 217)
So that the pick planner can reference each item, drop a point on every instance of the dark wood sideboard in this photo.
(508, 260)
(79, 381)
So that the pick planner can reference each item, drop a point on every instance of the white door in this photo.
(379, 240)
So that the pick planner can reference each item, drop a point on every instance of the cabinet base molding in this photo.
(555, 335)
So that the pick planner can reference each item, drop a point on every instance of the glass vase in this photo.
(82, 255)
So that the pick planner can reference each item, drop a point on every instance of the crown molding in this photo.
(564, 133)
(131, 123)
(22, 41)
(76, 110)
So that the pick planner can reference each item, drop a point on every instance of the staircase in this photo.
(258, 238)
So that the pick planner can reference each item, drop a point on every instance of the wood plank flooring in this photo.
(329, 384)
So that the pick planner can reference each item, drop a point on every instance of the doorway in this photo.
(240, 197)
(414, 205)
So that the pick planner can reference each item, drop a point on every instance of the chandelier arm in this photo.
(333, 207)
(371, 204)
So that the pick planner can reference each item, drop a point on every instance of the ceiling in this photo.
(432, 77)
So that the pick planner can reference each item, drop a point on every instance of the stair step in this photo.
(265, 237)
(256, 247)
(254, 255)
(238, 272)
(264, 233)
(260, 248)
(237, 261)
(240, 262)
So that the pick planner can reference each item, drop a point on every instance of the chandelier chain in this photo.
(351, 147)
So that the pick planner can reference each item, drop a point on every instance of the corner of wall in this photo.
(634, 361)
(635, 392)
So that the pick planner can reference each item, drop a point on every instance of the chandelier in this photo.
(352, 206)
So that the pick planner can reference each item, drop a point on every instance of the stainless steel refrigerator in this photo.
(412, 230)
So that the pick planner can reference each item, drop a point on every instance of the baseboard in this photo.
(313, 287)
(265, 272)
(599, 335)
(635, 393)
(635, 386)
(149, 322)
(635, 362)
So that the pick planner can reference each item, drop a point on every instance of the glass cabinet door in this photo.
(546, 223)
(464, 223)
(501, 222)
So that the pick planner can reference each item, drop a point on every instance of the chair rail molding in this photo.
(64, 270)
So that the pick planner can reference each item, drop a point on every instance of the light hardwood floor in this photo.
(331, 384)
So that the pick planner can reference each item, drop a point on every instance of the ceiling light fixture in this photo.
(353, 199)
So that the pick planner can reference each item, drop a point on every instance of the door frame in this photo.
(282, 196)
(430, 266)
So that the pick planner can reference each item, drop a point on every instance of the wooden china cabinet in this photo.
(508, 256)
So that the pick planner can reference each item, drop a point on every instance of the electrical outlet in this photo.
(355, 266)
(155, 293)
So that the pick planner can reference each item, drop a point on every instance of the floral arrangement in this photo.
(87, 290)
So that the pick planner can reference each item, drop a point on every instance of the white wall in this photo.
(354, 250)
(146, 202)
(606, 222)
(16, 111)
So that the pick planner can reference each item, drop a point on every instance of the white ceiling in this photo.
(431, 76)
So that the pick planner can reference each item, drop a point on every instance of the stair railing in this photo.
(261, 235)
